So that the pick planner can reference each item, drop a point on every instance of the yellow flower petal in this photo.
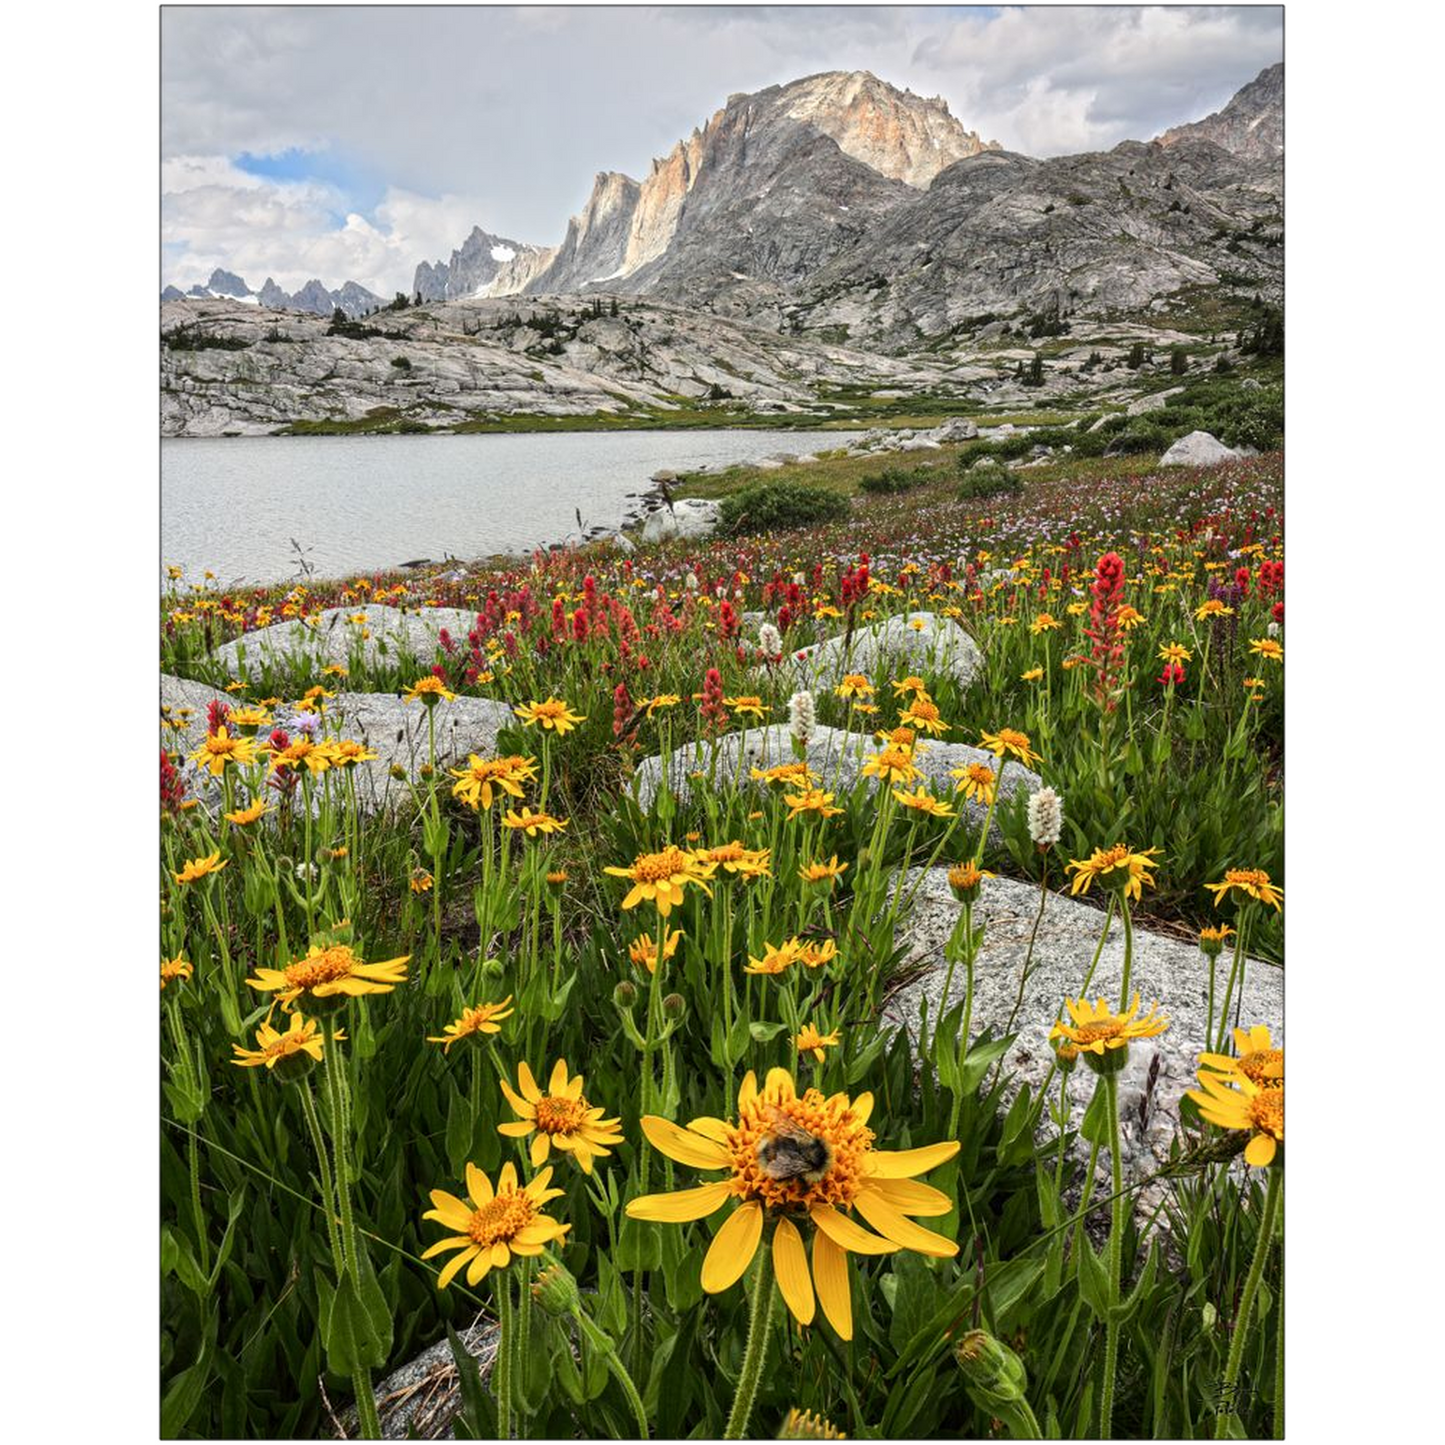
(557, 1084)
(847, 1234)
(478, 1186)
(900, 1229)
(449, 1270)
(530, 1092)
(908, 1196)
(541, 1143)
(1259, 1151)
(830, 1273)
(449, 1210)
(905, 1163)
(733, 1247)
(683, 1145)
(790, 1264)
(681, 1205)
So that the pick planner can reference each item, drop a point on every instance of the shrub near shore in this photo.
(709, 963)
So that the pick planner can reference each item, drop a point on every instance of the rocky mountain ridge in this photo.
(1250, 126)
(352, 298)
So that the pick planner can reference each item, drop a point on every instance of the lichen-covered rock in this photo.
(925, 643)
(1198, 449)
(333, 636)
(836, 756)
(393, 729)
(1169, 970)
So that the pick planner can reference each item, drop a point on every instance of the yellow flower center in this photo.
(1010, 738)
(550, 709)
(727, 853)
(287, 1044)
(924, 710)
(831, 1121)
(1264, 1067)
(1266, 1109)
(501, 1220)
(325, 967)
(1108, 1027)
(557, 1114)
(1110, 858)
(654, 867)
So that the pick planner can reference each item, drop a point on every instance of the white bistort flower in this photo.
(770, 641)
(1046, 817)
(801, 715)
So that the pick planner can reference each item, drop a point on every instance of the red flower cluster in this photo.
(1107, 591)
(713, 712)
(173, 785)
(218, 714)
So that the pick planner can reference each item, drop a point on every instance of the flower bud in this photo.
(426, 770)
(493, 968)
(398, 772)
(993, 1375)
(805, 1425)
(291, 1067)
(1068, 1056)
(964, 879)
(555, 1290)
(674, 1006)
(625, 995)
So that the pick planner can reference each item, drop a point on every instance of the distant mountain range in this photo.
(354, 299)
(840, 203)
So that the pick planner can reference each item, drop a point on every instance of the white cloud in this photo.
(500, 117)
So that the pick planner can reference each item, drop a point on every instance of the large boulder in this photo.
(331, 637)
(836, 756)
(1169, 970)
(691, 517)
(1155, 402)
(925, 643)
(955, 429)
(1198, 449)
(393, 729)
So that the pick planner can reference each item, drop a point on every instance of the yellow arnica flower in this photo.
(553, 715)
(495, 1225)
(1032, 675)
(922, 713)
(909, 684)
(892, 765)
(1115, 867)
(1011, 741)
(484, 1019)
(420, 881)
(965, 879)
(813, 800)
(302, 752)
(749, 704)
(476, 781)
(1128, 618)
(1213, 608)
(428, 690)
(809, 1041)
(788, 775)
(923, 801)
(736, 858)
(821, 872)
(1255, 1058)
(221, 748)
(1097, 1029)
(303, 1038)
(663, 699)
(659, 878)
(854, 684)
(562, 1116)
(175, 968)
(643, 951)
(533, 823)
(1235, 1102)
(1175, 652)
(777, 957)
(244, 817)
(790, 1157)
(1253, 883)
(331, 971)
(815, 955)
(1044, 622)
(977, 780)
(200, 867)
(1267, 648)
(347, 753)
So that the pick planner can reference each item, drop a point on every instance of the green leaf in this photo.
(765, 1033)
(981, 1058)
(347, 1332)
(233, 1213)
(1093, 1278)
(1095, 1127)
(179, 1402)
(477, 1419)
(1142, 1287)
(459, 1131)
(373, 1300)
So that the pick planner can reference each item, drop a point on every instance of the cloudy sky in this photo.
(350, 143)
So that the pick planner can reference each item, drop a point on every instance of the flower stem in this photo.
(1115, 1262)
(323, 1163)
(1128, 950)
(1236, 971)
(603, 1345)
(1245, 1316)
(759, 1318)
(502, 1362)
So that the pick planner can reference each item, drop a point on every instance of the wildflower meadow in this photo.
(574, 1056)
